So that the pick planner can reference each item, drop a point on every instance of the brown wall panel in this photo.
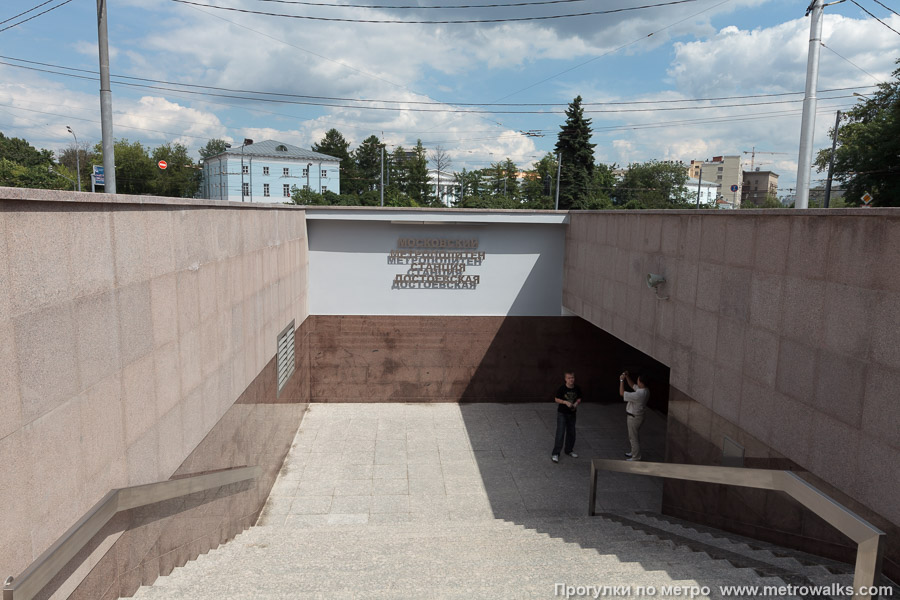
(465, 359)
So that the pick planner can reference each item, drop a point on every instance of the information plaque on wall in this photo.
(436, 263)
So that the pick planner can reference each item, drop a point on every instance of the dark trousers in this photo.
(565, 429)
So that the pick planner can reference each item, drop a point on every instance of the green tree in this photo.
(86, 158)
(867, 158)
(418, 187)
(604, 183)
(577, 157)
(134, 168)
(213, 147)
(19, 151)
(397, 174)
(538, 187)
(770, 201)
(334, 144)
(653, 184)
(181, 178)
(44, 176)
(306, 197)
(367, 158)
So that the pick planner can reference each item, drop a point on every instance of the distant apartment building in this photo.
(267, 172)
(726, 171)
(708, 191)
(444, 186)
(759, 184)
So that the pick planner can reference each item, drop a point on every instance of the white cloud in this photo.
(774, 59)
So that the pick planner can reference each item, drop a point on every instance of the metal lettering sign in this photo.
(436, 263)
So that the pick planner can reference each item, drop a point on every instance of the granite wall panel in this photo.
(118, 352)
(140, 544)
(465, 359)
(695, 436)
(783, 324)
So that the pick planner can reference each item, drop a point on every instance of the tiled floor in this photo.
(382, 463)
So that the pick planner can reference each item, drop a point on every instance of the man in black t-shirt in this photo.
(568, 397)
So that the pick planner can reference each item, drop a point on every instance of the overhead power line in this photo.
(33, 16)
(416, 102)
(874, 17)
(842, 57)
(25, 12)
(423, 110)
(444, 22)
(887, 7)
(414, 7)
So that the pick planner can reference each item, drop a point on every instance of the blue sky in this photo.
(700, 49)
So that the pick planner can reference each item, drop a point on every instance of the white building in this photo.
(267, 172)
(449, 188)
(709, 191)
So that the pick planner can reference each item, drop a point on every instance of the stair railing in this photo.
(40, 572)
(868, 538)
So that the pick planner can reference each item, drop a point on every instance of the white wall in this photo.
(349, 272)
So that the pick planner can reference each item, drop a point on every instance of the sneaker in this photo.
(555, 458)
(572, 454)
(633, 458)
(628, 455)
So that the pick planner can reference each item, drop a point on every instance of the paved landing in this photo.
(353, 464)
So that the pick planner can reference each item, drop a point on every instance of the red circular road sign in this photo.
(162, 164)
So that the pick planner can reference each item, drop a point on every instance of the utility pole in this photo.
(77, 161)
(837, 122)
(808, 122)
(382, 174)
(558, 171)
(699, 184)
(106, 123)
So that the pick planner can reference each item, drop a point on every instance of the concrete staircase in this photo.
(483, 559)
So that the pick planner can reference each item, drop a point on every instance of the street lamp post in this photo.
(308, 167)
(247, 142)
(77, 161)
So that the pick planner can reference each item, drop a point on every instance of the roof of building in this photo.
(707, 182)
(276, 149)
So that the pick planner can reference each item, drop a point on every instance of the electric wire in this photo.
(25, 12)
(607, 53)
(868, 13)
(887, 7)
(841, 56)
(34, 16)
(431, 102)
(608, 129)
(424, 110)
(414, 7)
(443, 22)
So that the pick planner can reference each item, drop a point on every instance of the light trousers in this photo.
(634, 426)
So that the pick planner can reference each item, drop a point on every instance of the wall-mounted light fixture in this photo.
(653, 282)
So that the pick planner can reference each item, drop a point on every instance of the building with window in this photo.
(708, 191)
(267, 172)
(723, 170)
(759, 184)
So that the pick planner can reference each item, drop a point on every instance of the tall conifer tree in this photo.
(577, 155)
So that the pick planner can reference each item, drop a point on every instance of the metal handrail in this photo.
(39, 573)
(869, 539)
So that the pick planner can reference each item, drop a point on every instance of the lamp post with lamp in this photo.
(77, 161)
(247, 142)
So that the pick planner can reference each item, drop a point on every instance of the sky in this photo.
(660, 80)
